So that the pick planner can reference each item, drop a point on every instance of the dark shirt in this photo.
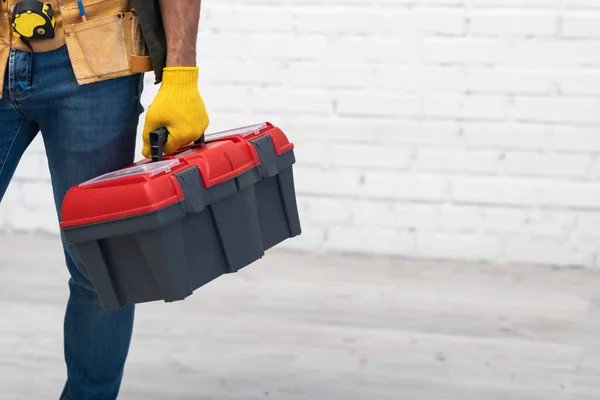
(153, 30)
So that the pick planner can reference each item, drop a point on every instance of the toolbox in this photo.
(162, 228)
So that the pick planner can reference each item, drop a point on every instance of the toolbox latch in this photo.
(268, 157)
(196, 195)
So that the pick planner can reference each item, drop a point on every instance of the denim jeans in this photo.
(87, 131)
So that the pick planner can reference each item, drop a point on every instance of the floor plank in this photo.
(304, 326)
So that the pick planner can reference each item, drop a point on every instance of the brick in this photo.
(312, 153)
(377, 104)
(226, 99)
(258, 18)
(296, 101)
(473, 107)
(578, 82)
(460, 218)
(504, 220)
(581, 25)
(35, 212)
(553, 54)
(215, 45)
(323, 210)
(267, 47)
(484, 107)
(391, 214)
(391, 185)
(336, 76)
(416, 216)
(336, 20)
(353, 49)
(512, 23)
(458, 246)
(572, 194)
(531, 136)
(38, 195)
(588, 223)
(32, 220)
(543, 4)
(230, 72)
(443, 106)
(595, 169)
(573, 138)
(581, 4)
(315, 180)
(9, 205)
(505, 135)
(489, 190)
(368, 155)
(546, 250)
(373, 129)
(556, 109)
(435, 2)
(546, 164)
(426, 22)
(441, 21)
(504, 80)
(373, 213)
(31, 167)
(447, 160)
(421, 79)
(465, 51)
(370, 240)
(550, 223)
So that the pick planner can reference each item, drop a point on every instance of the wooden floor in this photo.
(310, 327)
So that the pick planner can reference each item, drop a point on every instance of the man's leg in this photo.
(16, 133)
(88, 130)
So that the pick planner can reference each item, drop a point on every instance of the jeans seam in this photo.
(18, 111)
(12, 143)
(13, 95)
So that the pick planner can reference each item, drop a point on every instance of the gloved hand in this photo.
(178, 107)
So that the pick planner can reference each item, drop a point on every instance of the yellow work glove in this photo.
(178, 107)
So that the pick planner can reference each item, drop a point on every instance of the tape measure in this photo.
(33, 19)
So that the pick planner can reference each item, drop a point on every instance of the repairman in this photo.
(73, 70)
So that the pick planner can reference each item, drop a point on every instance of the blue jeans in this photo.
(87, 130)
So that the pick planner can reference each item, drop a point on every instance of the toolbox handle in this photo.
(158, 138)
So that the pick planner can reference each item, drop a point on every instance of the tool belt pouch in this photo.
(107, 47)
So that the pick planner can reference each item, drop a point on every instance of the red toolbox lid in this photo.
(150, 186)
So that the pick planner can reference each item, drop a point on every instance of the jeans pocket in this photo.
(98, 48)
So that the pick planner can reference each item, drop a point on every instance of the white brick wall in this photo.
(455, 129)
